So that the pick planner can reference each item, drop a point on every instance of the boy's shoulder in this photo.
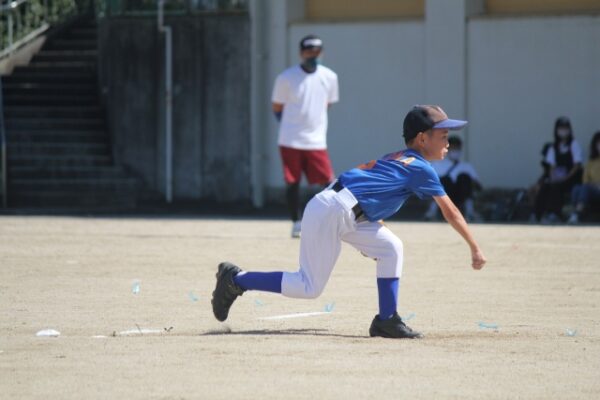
(407, 158)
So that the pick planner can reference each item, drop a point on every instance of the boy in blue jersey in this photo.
(351, 210)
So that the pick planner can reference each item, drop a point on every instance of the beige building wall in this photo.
(541, 6)
(323, 10)
(361, 9)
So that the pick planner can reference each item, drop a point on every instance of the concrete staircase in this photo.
(59, 153)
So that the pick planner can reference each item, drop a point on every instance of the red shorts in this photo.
(314, 163)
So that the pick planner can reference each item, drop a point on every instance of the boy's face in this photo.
(435, 144)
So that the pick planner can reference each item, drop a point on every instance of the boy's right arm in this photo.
(452, 214)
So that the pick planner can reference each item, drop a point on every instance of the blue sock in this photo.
(265, 281)
(388, 296)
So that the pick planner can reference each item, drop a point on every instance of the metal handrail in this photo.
(24, 20)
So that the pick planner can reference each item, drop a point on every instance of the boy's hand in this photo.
(478, 260)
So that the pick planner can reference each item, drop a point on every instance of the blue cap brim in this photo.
(450, 124)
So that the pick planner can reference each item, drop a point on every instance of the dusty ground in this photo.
(75, 275)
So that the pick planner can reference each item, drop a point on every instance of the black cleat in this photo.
(226, 291)
(392, 328)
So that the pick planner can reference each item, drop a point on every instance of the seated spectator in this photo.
(565, 160)
(459, 179)
(584, 195)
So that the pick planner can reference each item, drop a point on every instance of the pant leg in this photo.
(557, 195)
(588, 194)
(379, 242)
(324, 221)
(594, 193)
(576, 194)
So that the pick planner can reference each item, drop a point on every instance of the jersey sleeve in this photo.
(280, 90)
(334, 93)
(426, 183)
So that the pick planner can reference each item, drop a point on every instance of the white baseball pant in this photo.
(328, 220)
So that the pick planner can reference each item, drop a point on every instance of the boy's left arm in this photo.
(452, 214)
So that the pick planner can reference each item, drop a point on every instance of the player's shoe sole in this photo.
(226, 291)
(393, 328)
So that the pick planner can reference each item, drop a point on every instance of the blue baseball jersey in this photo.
(382, 186)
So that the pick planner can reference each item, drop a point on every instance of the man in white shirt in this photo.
(300, 99)
(459, 179)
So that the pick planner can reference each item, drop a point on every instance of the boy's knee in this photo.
(297, 285)
(395, 247)
(312, 293)
(390, 264)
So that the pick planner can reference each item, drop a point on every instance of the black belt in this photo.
(358, 212)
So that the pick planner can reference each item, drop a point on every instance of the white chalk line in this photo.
(296, 315)
(140, 331)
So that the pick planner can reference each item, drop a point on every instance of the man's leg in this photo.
(292, 196)
(319, 249)
(376, 241)
(292, 174)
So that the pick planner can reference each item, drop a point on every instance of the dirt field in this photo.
(541, 288)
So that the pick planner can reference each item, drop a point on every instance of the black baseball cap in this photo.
(310, 42)
(422, 118)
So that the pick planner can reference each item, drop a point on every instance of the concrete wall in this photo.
(523, 73)
(211, 102)
(511, 77)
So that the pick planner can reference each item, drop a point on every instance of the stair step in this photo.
(71, 44)
(62, 68)
(54, 112)
(29, 76)
(66, 55)
(53, 136)
(72, 185)
(49, 99)
(61, 64)
(58, 160)
(76, 172)
(69, 200)
(83, 33)
(79, 149)
(46, 88)
(53, 123)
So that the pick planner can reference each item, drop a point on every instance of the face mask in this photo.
(311, 63)
(454, 155)
(563, 133)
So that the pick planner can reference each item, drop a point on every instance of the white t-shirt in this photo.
(443, 166)
(305, 98)
(561, 172)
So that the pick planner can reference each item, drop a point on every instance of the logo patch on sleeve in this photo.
(406, 160)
